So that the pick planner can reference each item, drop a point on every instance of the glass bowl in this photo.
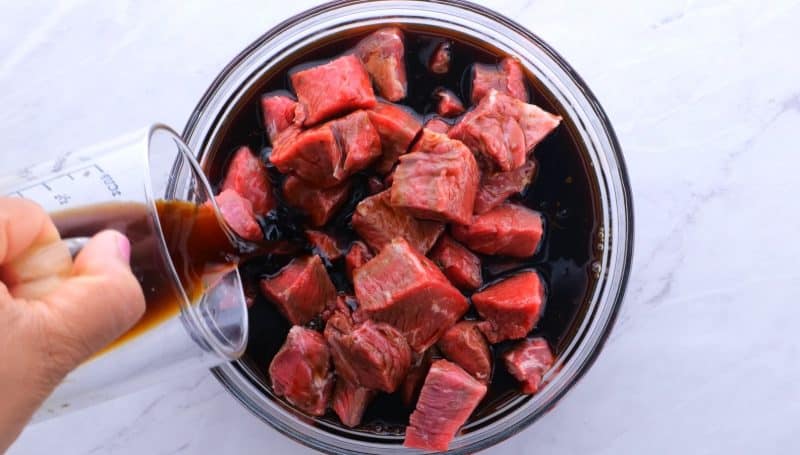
(583, 116)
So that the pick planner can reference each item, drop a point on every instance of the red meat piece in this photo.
(496, 187)
(350, 401)
(324, 245)
(301, 290)
(328, 154)
(459, 264)
(402, 287)
(409, 389)
(377, 222)
(449, 105)
(278, 113)
(502, 129)
(507, 77)
(465, 345)
(439, 62)
(510, 230)
(396, 128)
(511, 308)
(301, 371)
(528, 361)
(437, 182)
(371, 354)
(247, 175)
(332, 89)
(448, 398)
(340, 305)
(383, 55)
(238, 213)
(320, 204)
(358, 255)
(437, 125)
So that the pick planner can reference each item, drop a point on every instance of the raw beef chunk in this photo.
(511, 308)
(326, 91)
(439, 62)
(502, 129)
(437, 181)
(377, 222)
(358, 255)
(278, 113)
(506, 78)
(247, 175)
(383, 55)
(510, 229)
(446, 401)
(528, 361)
(396, 128)
(301, 371)
(465, 345)
(350, 401)
(301, 290)
(459, 265)
(409, 389)
(402, 287)
(449, 105)
(496, 187)
(324, 245)
(437, 125)
(320, 204)
(238, 213)
(371, 354)
(326, 155)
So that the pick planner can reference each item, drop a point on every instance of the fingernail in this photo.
(124, 247)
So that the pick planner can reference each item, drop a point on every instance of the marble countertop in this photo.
(705, 98)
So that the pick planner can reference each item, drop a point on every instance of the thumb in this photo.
(97, 303)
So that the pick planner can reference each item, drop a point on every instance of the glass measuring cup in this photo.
(147, 185)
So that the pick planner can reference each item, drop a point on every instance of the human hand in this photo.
(54, 313)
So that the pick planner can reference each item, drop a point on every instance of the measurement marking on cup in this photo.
(109, 182)
(44, 184)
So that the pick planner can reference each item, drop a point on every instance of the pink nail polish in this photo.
(124, 247)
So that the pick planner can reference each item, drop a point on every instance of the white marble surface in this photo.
(705, 97)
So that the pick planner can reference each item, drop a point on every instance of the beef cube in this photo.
(396, 128)
(402, 287)
(238, 213)
(301, 371)
(324, 245)
(510, 230)
(465, 345)
(438, 182)
(502, 130)
(528, 361)
(449, 105)
(341, 304)
(371, 354)
(377, 222)
(437, 125)
(278, 113)
(511, 308)
(446, 401)
(350, 401)
(439, 63)
(496, 187)
(409, 389)
(332, 89)
(328, 154)
(459, 264)
(358, 255)
(383, 55)
(507, 78)
(247, 175)
(301, 290)
(319, 203)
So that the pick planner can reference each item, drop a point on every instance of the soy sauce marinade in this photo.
(562, 191)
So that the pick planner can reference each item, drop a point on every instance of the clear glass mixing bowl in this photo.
(584, 117)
